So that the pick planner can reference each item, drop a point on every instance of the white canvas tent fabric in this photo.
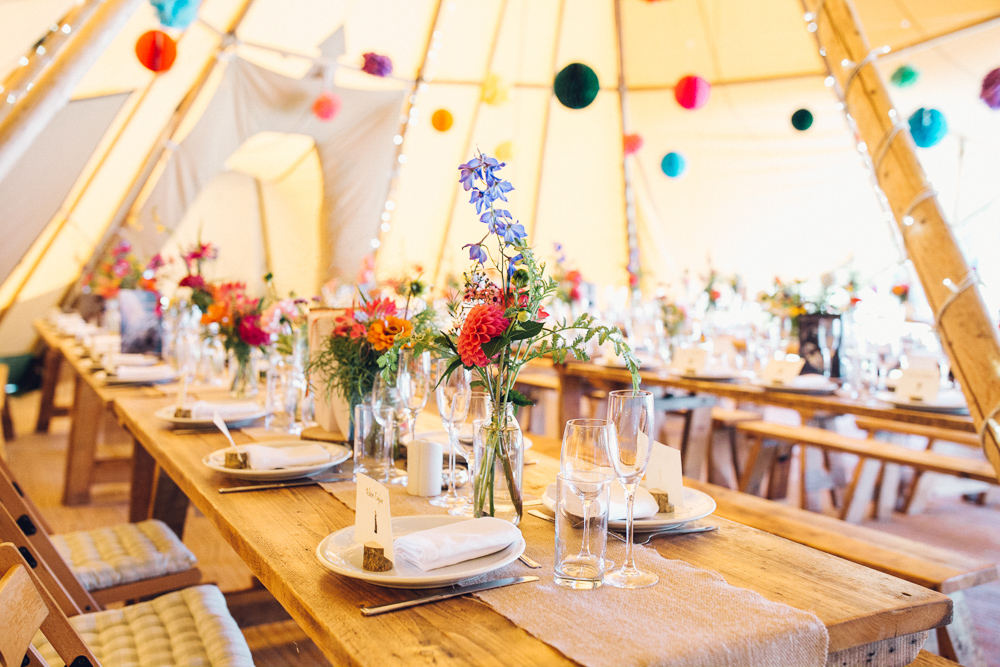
(758, 197)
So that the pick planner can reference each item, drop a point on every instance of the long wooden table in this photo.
(276, 534)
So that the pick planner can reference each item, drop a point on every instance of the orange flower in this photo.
(383, 333)
(217, 312)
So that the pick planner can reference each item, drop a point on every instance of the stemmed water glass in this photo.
(387, 405)
(631, 412)
(413, 381)
(480, 410)
(585, 447)
(452, 395)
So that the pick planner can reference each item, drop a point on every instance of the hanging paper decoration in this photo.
(156, 51)
(496, 90)
(802, 120)
(504, 151)
(673, 164)
(326, 106)
(691, 92)
(991, 89)
(576, 86)
(376, 65)
(927, 127)
(176, 13)
(632, 143)
(904, 76)
(442, 120)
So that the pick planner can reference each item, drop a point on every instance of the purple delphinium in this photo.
(376, 65)
(480, 176)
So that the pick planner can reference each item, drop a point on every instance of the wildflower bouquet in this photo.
(500, 329)
(194, 259)
(284, 319)
(570, 280)
(901, 291)
(121, 269)
(239, 319)
(674, 318)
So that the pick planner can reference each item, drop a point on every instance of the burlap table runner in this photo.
(691, 617)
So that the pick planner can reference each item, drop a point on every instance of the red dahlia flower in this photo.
(483, 323)
(251, 332)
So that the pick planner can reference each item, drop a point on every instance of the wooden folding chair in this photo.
(150, 559)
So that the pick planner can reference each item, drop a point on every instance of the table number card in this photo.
(372, 520)
(919, 384)
(689, 361)
(782, 371)
(663, 473)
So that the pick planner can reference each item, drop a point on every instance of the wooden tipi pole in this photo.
(35, 93)
(967, 333)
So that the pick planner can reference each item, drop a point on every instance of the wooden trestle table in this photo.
(276, 533)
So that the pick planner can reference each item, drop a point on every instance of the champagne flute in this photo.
(388, 408)
(631, 412)
(481, 410)
(452, 395)
(413, 383)
(585, 448)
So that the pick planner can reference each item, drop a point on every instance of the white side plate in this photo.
(338, 454)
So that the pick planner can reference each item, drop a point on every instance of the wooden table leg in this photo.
(51, 366)
(957, 640)
(169, 504)
(86, 416)
(143, 479)
(697, 442)
(571, 393)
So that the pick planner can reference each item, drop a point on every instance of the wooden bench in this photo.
(932, 567)
(928, 659)
(765, 435)
(724, 422)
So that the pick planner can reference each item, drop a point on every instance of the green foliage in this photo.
(346, 366)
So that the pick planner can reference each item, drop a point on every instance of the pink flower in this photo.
(251, 332)
(121, 267)
(194, 282)
(123, 248)
(483, 323)
(156, 262)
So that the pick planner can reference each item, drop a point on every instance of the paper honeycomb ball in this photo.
(496, 90)
(692, 92)
(442, 120)
(904, 76)
(326, 106)
(176, 13)
(802, 120)
(156, 50)
(504, 151)
(632, 143)
(673, 164)
(991, 90)
(927, 127)
(576, 86)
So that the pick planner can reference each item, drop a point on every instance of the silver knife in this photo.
(346, 477)
(453, 593)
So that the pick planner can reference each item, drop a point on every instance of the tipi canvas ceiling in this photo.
(758, 197)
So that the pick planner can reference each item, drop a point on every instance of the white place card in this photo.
(782, 371)
(372, 520)
(689, 361)
(919, 383)
(664, 475)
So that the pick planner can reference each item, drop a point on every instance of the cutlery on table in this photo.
(194, 431)
(346, 477)
(454, 592)
(645, 537)
(530, 562)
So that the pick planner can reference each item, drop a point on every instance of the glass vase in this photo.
(499, 457)
(244, 376)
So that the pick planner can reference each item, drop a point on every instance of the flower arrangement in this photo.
(284, 320)
(784, 300)
(239, 319)
(674, 318)
(121, 269)
(901, 291)
(712, 290)
(194, 260)
(500, 329)
(570, 280)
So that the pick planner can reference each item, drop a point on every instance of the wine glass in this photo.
(452, 395)
(389, 411)
(585, 447)
(631, 412)
(413, 384)
(480, 410)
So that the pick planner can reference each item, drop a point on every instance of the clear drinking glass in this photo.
(413, 382)
(631, 412)
(480, 410)
(582, 504)
(452, 396)
(387, 405)
(372, 450)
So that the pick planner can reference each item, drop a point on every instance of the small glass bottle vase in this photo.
(244, 372)
(499, 456)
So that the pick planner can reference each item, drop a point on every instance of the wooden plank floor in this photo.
(38, 462)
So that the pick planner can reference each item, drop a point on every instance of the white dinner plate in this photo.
(125, 359)
(112, 380)
(442, 437)
(826, 390)
(947, 402)
(697, 505)
(645, 363)
(338, 553)
(166, 413)
(709, 376)
(338, 454)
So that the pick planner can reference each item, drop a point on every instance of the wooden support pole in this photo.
(36, 92)
(967, 333)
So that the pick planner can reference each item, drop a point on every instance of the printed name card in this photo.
(663, 474)
(919, 384)
(372, 520)
(782, 371)
(689, 361)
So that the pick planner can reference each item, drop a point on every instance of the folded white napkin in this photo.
(144, 373)
(262, 457)
(226, 409)
(116, 359)
(645, 503)
(812, 381)
(456, 542)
